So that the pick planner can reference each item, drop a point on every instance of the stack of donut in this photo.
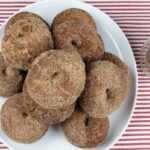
(59, 75)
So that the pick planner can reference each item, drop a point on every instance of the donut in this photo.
(77, 36)
(48, 116)
(84, 131)
(74, 14)
(104, 89)
(117, 61)
(18, 124)
(26, 36)
(56, 78)
(11, 79)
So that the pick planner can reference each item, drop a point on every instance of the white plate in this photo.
(115, 42)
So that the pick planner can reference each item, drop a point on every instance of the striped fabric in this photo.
(133, 16)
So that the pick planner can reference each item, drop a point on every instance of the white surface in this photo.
(115, 42)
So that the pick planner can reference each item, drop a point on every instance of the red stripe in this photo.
(144, 90)
(135, 42)
(137, 49)
(129, 31)
(144, 86)
(144, 82)
(133, 16)
(142, 108)
(148, 148)
(4, 17)
(140, 116)
(129, 1)
(136, 135)
(3, 147)
(10, 10)
(141, 113)
(134, 139)
(143, 99)
(133, 23)
(129, 13)
(131, 144)
(23, 2)
(138, 130)
(123, 6)
(12, 6)
(5, 14)
(135, 121)
(136, 46)
(136, 36)
(139, 125)
(143, 79)
(142, 103)
(134, 27)
(124, 9)
(140, 74)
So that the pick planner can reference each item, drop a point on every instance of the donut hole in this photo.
(20, 35)
(86, 122)
(23, 73)
(59, 76)
(110, 95)
(54, 75)
(76, 43)
(24, 115)
(4, 71)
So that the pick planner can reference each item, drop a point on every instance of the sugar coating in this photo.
(18, 124)
(56, 78)
(26, 36)
(84, 131)
(74, 14)
(77, 36)
(124, 69)
(48, 116)
(104, 90)
(11, 79)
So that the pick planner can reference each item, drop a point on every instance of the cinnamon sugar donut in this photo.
(56, 78)
(77, 36)
(48, 116)
(11, 79)
(84, 131)
(74, 14)
(18, 124)
(117, 61)
(26, 36)
(104, 90)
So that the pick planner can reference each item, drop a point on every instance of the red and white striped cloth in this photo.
(133, 16)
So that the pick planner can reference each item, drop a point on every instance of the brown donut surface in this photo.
(56, 78)
(74, 14)
(18, 124)
(48, 116)
(117, 61)
(26, 36)
(77, 36)
(104, 90)
(11, 79)
(84, 131)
